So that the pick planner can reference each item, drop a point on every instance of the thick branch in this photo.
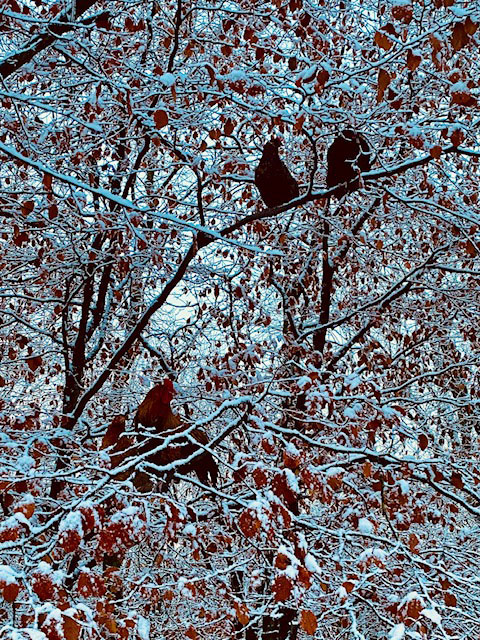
(44, 38)
(326, 293)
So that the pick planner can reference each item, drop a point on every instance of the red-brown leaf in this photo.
(34, 363)
(456, 480)
(382, 41)
(422, 441)
(160, 118)
(282, 588)
(308, 622)
(383, 81)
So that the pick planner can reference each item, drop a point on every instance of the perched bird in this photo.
(120, 445)
(156, 415)
(347, 157)
(273, 179)
(154, 412)
(203, 465)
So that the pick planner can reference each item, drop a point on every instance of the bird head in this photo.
(348, 134)
(165, 391)
(270, 149)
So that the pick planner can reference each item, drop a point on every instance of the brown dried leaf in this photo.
(457, 137)
(413, 542)
(348, 586)
(470, 249)
(115, 429)
(383, 41)
(413, 61)
(241, 611)
(282, 588)
(160, 118)
(34, 363)
(228, 127)
(191, 633)
(459, 36)
(47, 181)
(422, 441)
(10, 592)
(308, 622)
(470, 26)
(383, 81)
(456, 480)
(71, 628)
(27, 207)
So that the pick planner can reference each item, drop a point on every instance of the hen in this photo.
(154, 412)
(347, 157)
(156, 415)
(272, 177)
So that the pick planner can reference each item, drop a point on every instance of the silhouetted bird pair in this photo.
(348, 156)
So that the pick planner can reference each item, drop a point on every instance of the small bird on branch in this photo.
(272, 177)
(348, 156)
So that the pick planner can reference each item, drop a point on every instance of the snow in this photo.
(236, 74)
(351, 412)
(412, 595)
(56, 577)
(292, 480)
(459, 12)
(404, 486)
(302, 541)
(365, 526)
(304, 382)
(168, 79)
(34, 634)
(352, 380)
(397, 632)
(27, 498)
(307, 73)
(458, 86)
(292, 449)
(56, 616)
(291, 572)
(334, 471)
(342, 592)
(25, 463)
(183, 590)
(7, 575)
(72, 522)
(311, 564)
(372, 552)
(389, 412)
(433, 615)
(143, 628)
(189, 529)
(9, 523)
(43, 567)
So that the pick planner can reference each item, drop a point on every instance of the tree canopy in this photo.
(323, 353)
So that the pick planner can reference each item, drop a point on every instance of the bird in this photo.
(272, 177)
(156, 415)
(347, 157)
(154, 411)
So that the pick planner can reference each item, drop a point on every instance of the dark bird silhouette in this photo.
(347, 157)
(156, 415)
(154, 412)
(272, 177)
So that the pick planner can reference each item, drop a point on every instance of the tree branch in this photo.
(46, 37)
